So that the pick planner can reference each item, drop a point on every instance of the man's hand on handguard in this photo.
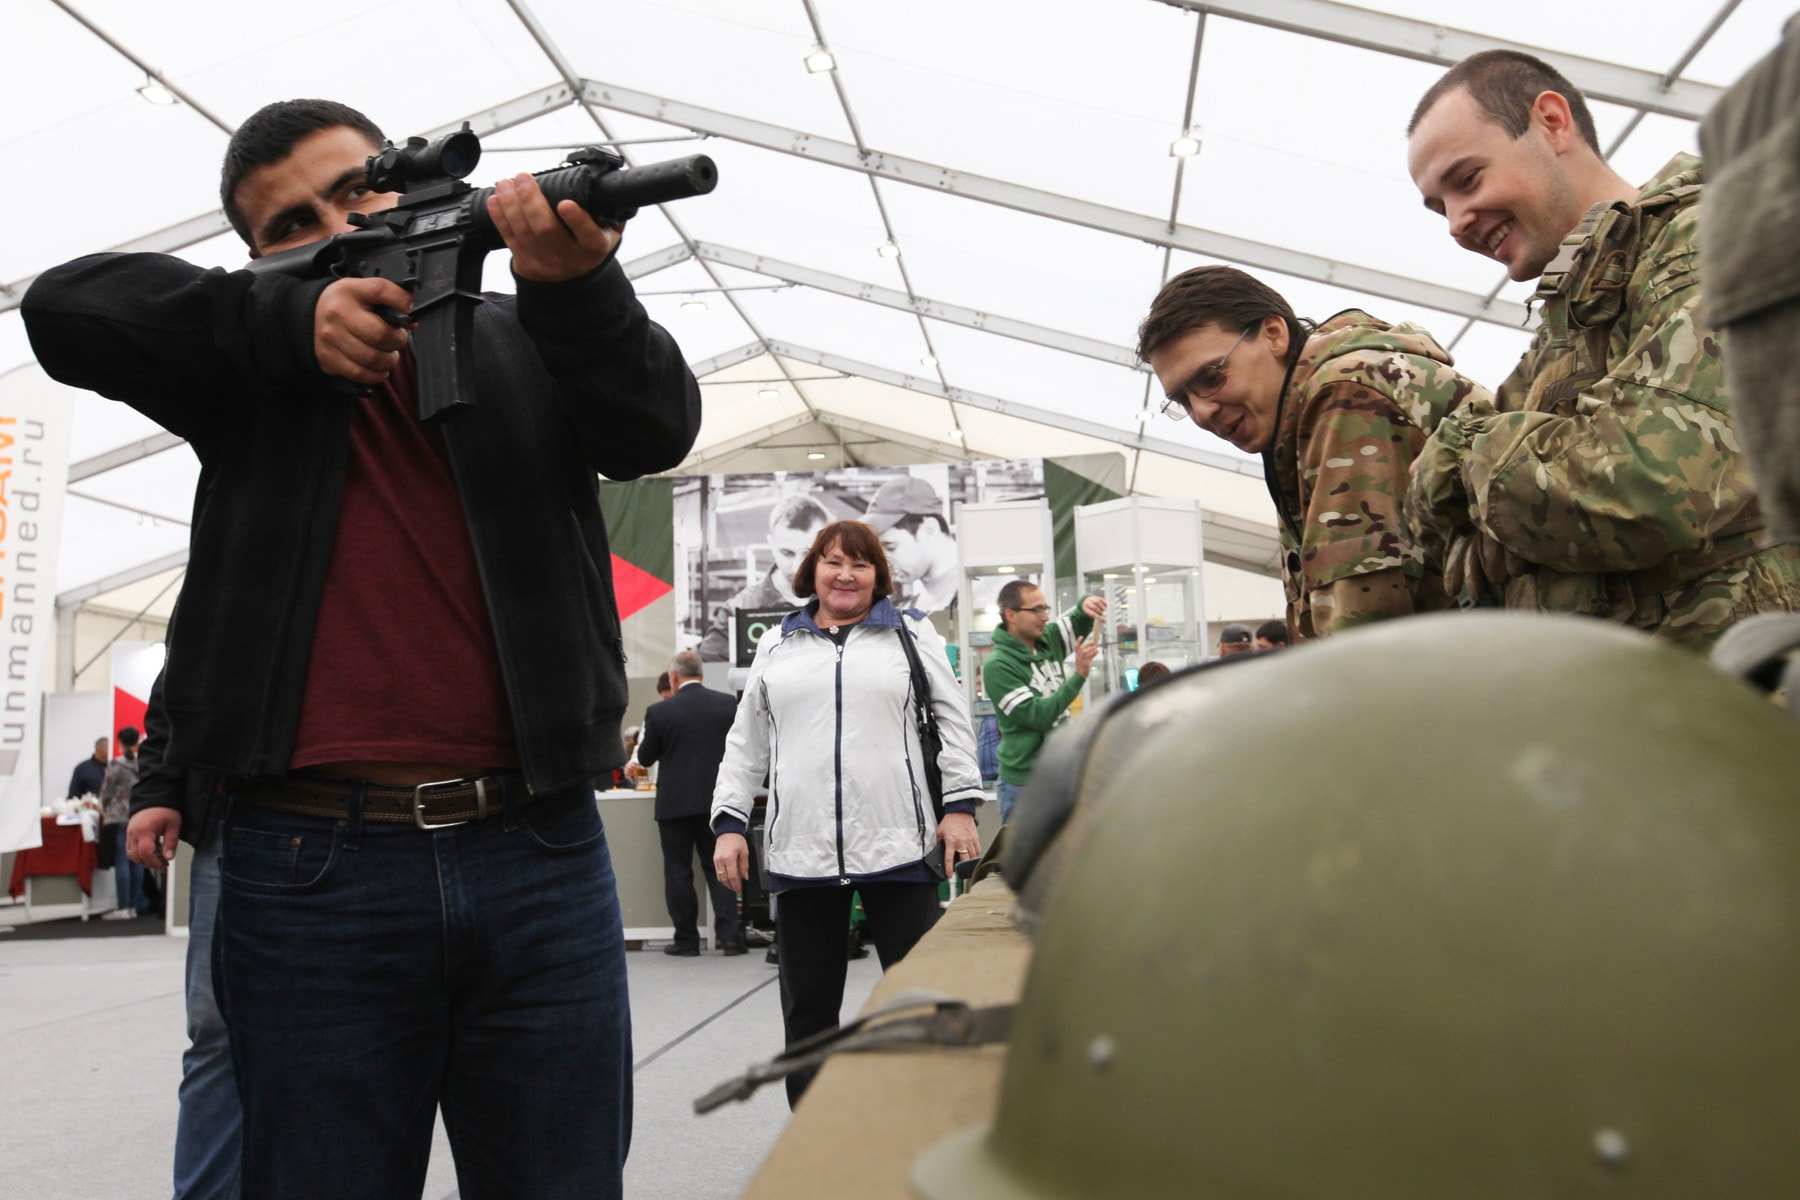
(151, 836)
(548, 247)
(350, 338)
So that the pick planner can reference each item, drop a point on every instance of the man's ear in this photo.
(1551, 114)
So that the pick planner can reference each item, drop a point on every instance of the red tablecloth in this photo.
(63, 853)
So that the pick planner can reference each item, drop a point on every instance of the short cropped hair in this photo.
(1505, 84)
(911, 522)
(128, 736)
(663, 684)
(1012, 596)
(1215, 295)
(270, 135)
(1151, 671)
(798, 512)
(1273, 632)
(855, 540)
(685, 663)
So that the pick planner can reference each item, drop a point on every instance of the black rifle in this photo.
(434, 240)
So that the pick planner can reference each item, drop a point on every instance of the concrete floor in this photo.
(92, 1030)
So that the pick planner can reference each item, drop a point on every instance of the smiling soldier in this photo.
(1338, 413)
(1606, 478)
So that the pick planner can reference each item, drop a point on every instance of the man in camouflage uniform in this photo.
(1338, 413)
(1606, 478)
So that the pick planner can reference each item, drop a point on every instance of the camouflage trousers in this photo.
(1692, 614)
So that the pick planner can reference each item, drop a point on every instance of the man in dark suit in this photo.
(686, 734)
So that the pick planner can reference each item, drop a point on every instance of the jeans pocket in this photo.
(277, 861)
(563, 826)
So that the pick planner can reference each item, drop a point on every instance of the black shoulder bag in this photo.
(929, 740)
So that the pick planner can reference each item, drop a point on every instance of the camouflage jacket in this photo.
(1607, 478)
(1355, 411)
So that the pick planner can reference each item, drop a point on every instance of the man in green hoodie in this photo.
(1024, 677)
(1338, 412)
(1607, 478)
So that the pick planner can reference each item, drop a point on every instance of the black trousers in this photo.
(812, 934)
(682, 837)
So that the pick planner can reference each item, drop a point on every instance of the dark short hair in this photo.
(1505, 84)
(1274, 632)
(664, 683)
(128, 736)
(856, 540)
(911, 522)
(1011, 596)
(1152, 671)
(270, 135)
(1215, 295)
(798, 512)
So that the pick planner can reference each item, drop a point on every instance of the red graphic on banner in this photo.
(635, 588)
(127, 710)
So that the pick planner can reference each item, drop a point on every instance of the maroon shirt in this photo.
(403, 666)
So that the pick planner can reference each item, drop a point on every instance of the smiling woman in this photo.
(828, 716)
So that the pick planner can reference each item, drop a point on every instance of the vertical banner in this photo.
(34, 470)
(135, 666)
(640, 524)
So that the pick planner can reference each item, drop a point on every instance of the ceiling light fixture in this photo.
(156, 93)
(768, 393)
(930, 360)
(956, 435)
(820, 61)
(1145, 417)
(1185, 146)
(815, 455)
(888, 250)
(1007, 570)
(693, 303)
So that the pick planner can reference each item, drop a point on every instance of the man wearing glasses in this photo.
(1025, 679)
(1338, 412)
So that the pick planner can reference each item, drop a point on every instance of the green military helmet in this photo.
(1467, 906)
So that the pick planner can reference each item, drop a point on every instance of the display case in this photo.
(996, 543)
(1144, 555)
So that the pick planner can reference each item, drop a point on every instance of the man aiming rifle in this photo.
(398, 644)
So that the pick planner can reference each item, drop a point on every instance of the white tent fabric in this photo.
(1015, 152)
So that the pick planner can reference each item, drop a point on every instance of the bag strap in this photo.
(923, 714)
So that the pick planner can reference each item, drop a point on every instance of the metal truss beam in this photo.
(1154, 230)
(952, 314)
(123, 456)
(1024, 412)
(694, 463)
(730, 358)
(76, 597)
(924, 445)
(207, 225)
(1427, 42)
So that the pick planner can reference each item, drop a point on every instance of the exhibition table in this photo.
(64, 852)
(868, 1115)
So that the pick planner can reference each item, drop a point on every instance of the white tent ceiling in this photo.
(1016, 152)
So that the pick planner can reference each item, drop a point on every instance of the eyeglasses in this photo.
(1040, 610)
(1202, 384)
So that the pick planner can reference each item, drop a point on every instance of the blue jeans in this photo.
(209, 1131)
(1006, 795)
(128, 877)
(371, 973)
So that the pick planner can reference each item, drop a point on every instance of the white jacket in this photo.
(830, 722)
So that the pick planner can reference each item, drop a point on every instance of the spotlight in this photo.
(693, 304)
(156, 93)
(888, 250)
(930, 360)
(768, 393)
(1185, 146)
(820, 61)
(815, 455)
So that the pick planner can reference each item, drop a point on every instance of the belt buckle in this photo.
(442, 784)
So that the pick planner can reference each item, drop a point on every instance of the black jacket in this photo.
(686, 733)
(572, 379)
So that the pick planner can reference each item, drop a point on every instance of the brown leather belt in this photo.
(428, 805)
